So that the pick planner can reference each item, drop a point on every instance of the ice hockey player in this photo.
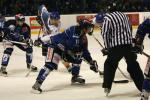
(143, 29)
(2, 20)
(70, 43)
(17, 30)
(50, 22)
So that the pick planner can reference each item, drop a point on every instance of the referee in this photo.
(117, 35)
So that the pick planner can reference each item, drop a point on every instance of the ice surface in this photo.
(57, 85)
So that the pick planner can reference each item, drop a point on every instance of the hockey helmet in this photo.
(87, 24)
(55, 15)
(99, 18)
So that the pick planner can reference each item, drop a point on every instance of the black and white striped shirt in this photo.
(116, 30)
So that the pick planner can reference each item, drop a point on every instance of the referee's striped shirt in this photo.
(116, 30)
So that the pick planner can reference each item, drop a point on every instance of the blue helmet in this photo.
(54, 15)
(99, 17)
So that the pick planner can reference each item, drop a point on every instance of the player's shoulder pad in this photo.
(10, 22)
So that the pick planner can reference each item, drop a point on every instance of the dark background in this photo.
(29, 7)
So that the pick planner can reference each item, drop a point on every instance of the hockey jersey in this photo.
(72, 42)
(12, 31)
(144, 28)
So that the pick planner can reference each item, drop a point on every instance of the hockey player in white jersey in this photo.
(50, 22)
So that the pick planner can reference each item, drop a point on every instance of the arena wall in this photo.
(67, 20)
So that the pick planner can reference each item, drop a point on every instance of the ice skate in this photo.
(3, 71)
(145, 95)
(77, 80)
(107, 91)
(36, 88)
(33, 68)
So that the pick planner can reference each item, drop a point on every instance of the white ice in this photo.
(58, 86)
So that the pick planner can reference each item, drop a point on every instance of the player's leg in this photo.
(110, 67)
(67, 65)
(6, 56)
(29, 56)
(76, 78)
(134, 69)
(146, 84)
(52, 60)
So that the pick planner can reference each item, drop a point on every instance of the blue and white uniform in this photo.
(143, 29)
(69, 43)
(14, 32)
(48, 28)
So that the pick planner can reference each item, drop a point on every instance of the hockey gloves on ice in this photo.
(94, 66)
(105, 51)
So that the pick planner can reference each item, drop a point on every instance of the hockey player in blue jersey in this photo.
(71, 44)
(143, 29)
(16, 30)
(50, 22)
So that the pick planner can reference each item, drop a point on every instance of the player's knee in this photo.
(8, 51)
(51, 66)
(146, 85)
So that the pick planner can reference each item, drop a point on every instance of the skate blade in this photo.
(77, 83)
(4, 75)
(35, 91)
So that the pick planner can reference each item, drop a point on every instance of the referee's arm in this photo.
(105, 32)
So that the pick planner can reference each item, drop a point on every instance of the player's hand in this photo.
(29, 42)
(37, 42)
(94, 66)
(21, 38)
(105, 51)
(138, 49)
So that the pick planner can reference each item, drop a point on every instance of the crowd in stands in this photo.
(29, 7)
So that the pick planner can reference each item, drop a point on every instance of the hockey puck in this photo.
(122, 81)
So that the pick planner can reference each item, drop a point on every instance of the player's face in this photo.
(20, 22)
(55, 22)
(87, 30)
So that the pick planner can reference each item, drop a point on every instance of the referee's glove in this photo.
(105, 51)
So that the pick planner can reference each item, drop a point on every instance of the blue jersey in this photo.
(144, 28)
(71, 40)
(13, 32)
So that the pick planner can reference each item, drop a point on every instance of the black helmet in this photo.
(86, 24)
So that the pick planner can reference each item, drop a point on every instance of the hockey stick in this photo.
(145, 54)
(15, 42)
(119, 81)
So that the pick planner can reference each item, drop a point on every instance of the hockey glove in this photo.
(138, 44)
(105, 51)
(37, 42)
(94, 66)
(21, 38)
(29, 42)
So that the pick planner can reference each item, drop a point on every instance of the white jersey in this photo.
(48, 28)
